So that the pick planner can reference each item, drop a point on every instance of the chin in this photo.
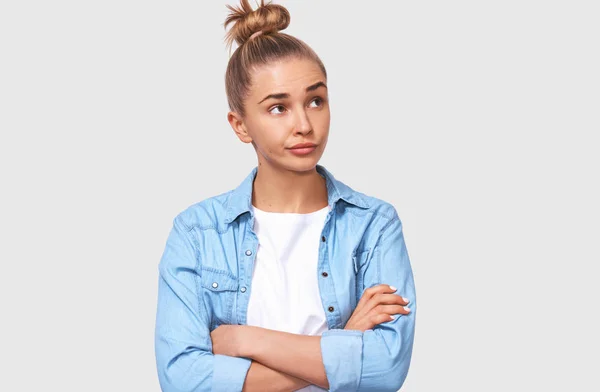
(302, 164)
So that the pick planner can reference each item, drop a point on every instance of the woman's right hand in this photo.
(376, 306)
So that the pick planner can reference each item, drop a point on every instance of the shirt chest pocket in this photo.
(366, 273)
(219, 289)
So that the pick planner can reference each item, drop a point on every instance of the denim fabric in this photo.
(205, 280)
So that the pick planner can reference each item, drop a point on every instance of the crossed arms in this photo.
(339, 360)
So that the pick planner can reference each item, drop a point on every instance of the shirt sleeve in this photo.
(377, 359)
(183, 345)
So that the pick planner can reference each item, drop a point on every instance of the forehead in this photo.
(286, 76)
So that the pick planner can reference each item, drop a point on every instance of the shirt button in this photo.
(330, 309)
(243, 290)
(323, 238)
(324, 274)
(215, 285)
(248, 252)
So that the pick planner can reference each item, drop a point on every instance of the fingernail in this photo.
(407, 308)
(405, 300)
(393, 317)
(393, 288)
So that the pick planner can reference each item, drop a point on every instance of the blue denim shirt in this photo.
(205, 280)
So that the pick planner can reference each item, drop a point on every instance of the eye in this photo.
(319, 100)
(276, 107)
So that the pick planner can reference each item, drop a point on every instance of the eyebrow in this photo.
(286, 95)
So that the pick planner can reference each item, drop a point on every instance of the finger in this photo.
(393, 309)
(387, 299)
(391, 299)
(379, 318)
(380, 288)
(367, 297)
(386, 289)
(367, 294)
(384, 313)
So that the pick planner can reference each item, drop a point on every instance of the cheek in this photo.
(275, 142)
(321, 121)
(271, 140)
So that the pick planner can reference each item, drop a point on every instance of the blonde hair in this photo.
(257, 33)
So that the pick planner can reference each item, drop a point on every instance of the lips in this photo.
(298, 150)
(303, 145)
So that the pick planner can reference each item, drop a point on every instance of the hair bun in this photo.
(267, 18)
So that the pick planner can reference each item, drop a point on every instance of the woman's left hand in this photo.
(227, 340)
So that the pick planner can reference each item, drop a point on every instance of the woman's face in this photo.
(287, 104)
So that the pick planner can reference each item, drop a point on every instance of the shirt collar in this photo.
(240, 199)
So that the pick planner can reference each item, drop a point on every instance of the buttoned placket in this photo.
(248, 258)
(324, 276)
(248, 254)
(325, 279)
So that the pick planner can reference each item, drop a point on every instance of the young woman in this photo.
(292, 280)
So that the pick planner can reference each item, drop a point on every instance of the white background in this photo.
(478, 120)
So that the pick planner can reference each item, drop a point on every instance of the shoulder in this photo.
(381, 207)
(368, 204)
(205, 214)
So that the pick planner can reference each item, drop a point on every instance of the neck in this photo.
(281, 190)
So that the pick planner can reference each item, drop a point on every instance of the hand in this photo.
(227, 339)
(375, 307)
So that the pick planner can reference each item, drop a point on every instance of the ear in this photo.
(237, 124)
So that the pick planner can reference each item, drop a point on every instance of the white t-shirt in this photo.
(285, 292)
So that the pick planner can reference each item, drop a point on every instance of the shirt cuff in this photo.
(229, 373)
(341, 350)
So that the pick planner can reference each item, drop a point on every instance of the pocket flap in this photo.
(359, 257)
(217, 280)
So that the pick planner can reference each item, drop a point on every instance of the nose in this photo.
(302, 125)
